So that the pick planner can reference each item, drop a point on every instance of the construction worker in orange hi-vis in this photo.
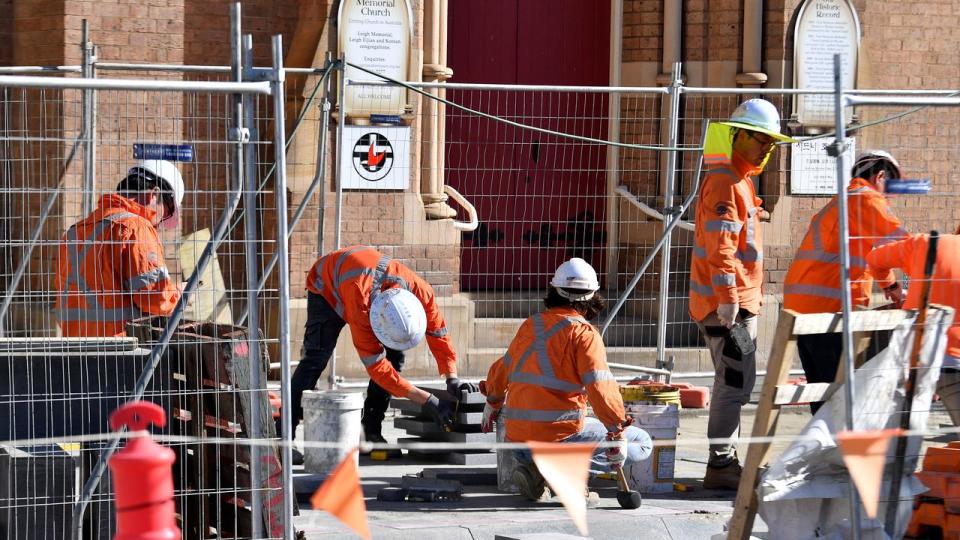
(389, 309)
(110, 265)
(812, 284)
(554, 366)
(909, 255)
(727, 270)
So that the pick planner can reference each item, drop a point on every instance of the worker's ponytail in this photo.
(589, 308)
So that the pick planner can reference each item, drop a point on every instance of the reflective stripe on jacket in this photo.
(347, 279)
(554, 365)
(909, 255)
(727, 257)
(812, 284)
(110, 269)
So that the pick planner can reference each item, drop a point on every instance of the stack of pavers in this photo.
(466, 430)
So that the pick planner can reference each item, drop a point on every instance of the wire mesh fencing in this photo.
(91, 274)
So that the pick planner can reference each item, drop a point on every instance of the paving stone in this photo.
(432, 432)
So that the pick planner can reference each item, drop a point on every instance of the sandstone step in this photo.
(686, 360)
(625, 331)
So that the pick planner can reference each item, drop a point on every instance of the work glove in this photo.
(455, 386)
(491, 413)
(441, 412)
(727, 313)
(617, 451)
(895, 294)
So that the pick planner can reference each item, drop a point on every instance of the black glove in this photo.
(455, 386)
(441, 412)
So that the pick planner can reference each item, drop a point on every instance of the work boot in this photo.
(376, 438)
(530, 482)
(297, 456)
(593, 498)
(726, 477)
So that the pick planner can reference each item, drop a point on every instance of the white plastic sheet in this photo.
(803, 494)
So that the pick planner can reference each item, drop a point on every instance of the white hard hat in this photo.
(869, 158)
(758, 115)
(398, 319)
(169, 173)
(576, 274)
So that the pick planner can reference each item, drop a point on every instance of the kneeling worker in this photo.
(555, 356)
(389, 309)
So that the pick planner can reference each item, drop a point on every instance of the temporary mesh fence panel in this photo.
(65, 388)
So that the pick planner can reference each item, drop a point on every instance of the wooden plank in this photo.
(860, 321)
(793, 394)
(764, 425)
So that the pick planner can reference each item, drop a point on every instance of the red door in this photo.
(540, 197)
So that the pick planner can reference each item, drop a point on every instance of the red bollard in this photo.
(143, 477)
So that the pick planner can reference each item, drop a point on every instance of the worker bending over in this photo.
(553, 367)
(389, 309)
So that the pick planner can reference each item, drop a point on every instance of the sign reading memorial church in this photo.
(375, 34)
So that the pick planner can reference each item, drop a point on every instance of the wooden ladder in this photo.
(777, 393)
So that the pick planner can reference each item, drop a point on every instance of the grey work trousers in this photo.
(734, 377)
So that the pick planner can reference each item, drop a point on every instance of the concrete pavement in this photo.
(484, 513)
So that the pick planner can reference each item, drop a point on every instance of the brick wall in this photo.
(642, 30)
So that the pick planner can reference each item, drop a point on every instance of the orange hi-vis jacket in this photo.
(727, 265)
(812, 284)
(554, 365)
(348, 279)
(110, 269)
(910, 254)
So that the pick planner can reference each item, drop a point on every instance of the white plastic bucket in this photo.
(661, 422)
(330, 417)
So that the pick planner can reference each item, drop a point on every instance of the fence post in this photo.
(280, 191)
(243, 170)
(88, 120)
(338, 209)
(668, 188)
(837, 151)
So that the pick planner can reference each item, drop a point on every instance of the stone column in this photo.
(432, 119)
(751, 74)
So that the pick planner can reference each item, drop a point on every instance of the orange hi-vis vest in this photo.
(727, 262)
(910, 254)
(554, 365)
(348, 279)
(812, 284)
(110, 269)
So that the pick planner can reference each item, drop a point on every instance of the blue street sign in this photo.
(169, 152)
(902, 186)
(391, 119)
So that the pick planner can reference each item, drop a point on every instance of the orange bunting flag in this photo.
(566, 468)
(342, 496)
(865, 454)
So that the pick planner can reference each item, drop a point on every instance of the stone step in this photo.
(625, 331)
(686, 360)
(642, 303)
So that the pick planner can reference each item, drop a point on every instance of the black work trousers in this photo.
(319, 340)
(820, 356)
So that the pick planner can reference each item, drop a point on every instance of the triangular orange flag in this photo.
(865, 454)
(342, 496)
(566, 468)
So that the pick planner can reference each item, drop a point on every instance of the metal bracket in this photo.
(259, 74)
(241, 135)
(835, 149)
